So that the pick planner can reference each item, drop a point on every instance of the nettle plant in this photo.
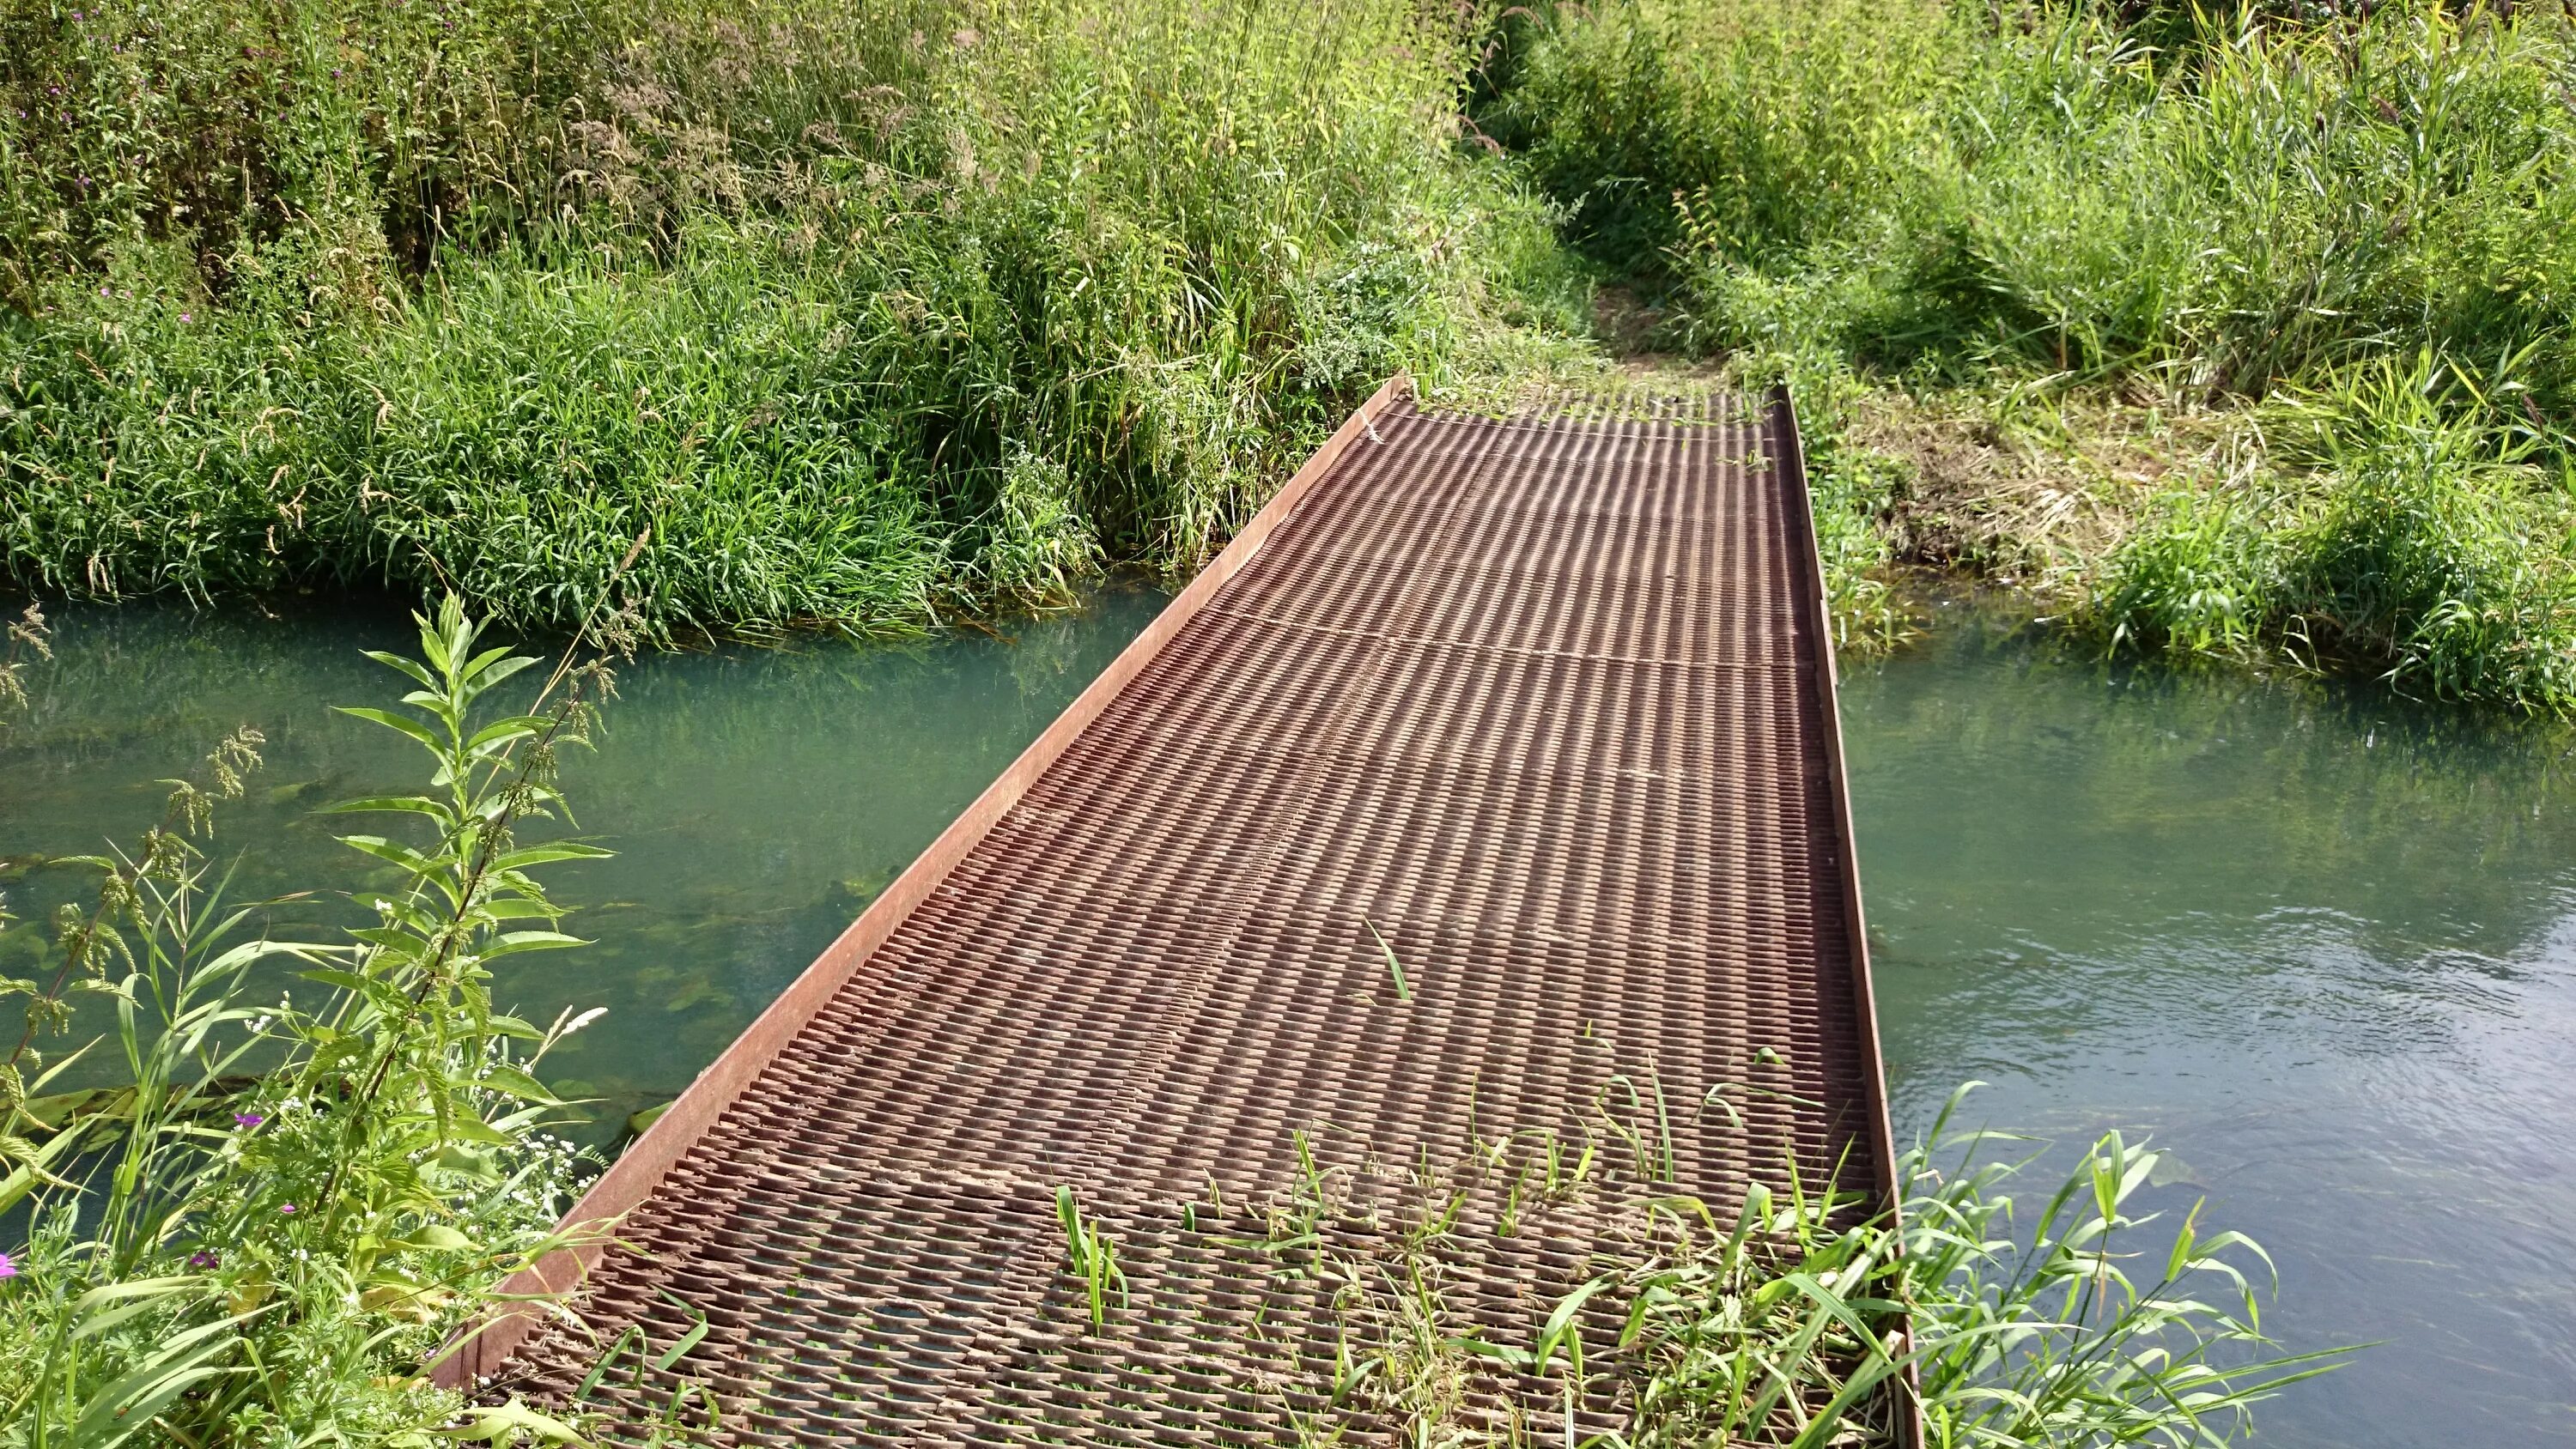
(293, 1199)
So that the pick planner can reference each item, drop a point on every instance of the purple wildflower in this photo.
(202, 1261)
(245, 1120)
(289, 1209)
(7, 1268)
(191, 317)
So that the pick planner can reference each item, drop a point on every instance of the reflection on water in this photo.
(2321, 943)
(757, 799)
(2318, 941)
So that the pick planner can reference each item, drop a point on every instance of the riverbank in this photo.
(2243, 337)
(2233, 333)
(850, 315)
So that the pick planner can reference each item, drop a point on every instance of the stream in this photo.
(2318, 941)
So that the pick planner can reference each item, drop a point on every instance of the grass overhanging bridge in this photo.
(1272, 1052)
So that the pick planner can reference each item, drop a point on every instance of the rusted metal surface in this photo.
(1545, 704)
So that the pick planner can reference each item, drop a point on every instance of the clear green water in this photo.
(2321, 943)
(757, 799)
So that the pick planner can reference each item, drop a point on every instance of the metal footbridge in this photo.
(1461, 859)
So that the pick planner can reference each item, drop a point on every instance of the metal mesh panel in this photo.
(1537, 699)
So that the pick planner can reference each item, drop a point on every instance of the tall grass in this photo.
(2070, 1322)
(283, 1204)
(1746, 128)
(2072, 1318)
(2190, 208)
(2442, 551)
(862, 310)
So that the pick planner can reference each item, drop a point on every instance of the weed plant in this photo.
(2075, 1322)
(2043, 1332)
(2037, 1332)
(1779, 1326)
(864, 311)
(2442, 551)
(2357, 217)
(262, 1235)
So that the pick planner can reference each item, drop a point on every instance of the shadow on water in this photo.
(2317, 939)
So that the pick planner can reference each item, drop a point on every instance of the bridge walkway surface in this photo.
(1461, 860)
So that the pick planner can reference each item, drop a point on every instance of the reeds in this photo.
(867, 311)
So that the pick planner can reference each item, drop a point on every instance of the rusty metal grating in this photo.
(1546, 702)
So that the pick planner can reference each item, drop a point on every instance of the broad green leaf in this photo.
(519, 908)
(504, 1423)
(467, 1161)
(470, 1128)
(409, 804)
(544, 854)
(384, 994)
(411, 667)
(504, 1078)
(401, 723)
(494, 665)
(499, 731)
(510, 943)
(437, 1238)
(390, 940)
(394, 852)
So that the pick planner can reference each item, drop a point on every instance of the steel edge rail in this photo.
(1792, 465)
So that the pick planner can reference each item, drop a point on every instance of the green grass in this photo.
(2188, 211)
(862, 315)
(865, 312)
(2066, 1319)
(2441, 552)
